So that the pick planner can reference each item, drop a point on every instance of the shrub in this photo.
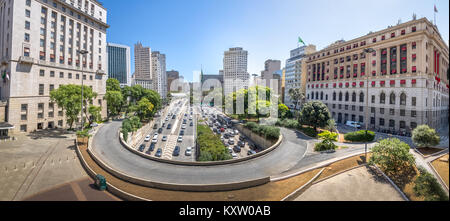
(392, 156)
(360, 136)
(427, 186)
(310, 132)
(269, 132)
(324, 145)
(288, 123)
(424, 136)
(211, 148)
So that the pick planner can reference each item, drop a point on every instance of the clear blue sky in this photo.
(196, 32)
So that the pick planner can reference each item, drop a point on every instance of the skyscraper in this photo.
(235, 72)
(119, 63)
(159, 75)
(142, 62)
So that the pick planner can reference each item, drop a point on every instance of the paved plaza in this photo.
(36, 162)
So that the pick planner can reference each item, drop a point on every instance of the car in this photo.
(152, 147)
(141, 147)
(231, 142)
(251, 152)
(222, 129)
(225, 136)
(169, 126)
(158, 152)
(180, 139)
(183, 126)
(174, 116)
(160, 130)
(215, 130)
(188, 151)
(155, 139)
(155, 126)
(176, 151)
(241, 138)
(230, 150)
(226, 144)
(241, 144)
(234, 155)
(164, 138)
(163, 125)
(236, 132)
(353, 124)
(237, 149)
(191, 124)
(190, 118)
(185, 115)
(147, 138)
(167, 118)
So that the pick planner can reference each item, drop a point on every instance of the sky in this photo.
(195, 33)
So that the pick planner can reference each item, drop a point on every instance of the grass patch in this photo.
(441, 166)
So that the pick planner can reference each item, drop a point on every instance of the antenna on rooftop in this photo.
(414, 17)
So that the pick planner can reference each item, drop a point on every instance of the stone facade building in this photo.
(404, 80)
(39, 44)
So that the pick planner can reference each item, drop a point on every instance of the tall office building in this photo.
(235, 72)
(171, 76)
(142, 62)
(159, 75)
(404, 80)
(270, 73)
(294, 72)
(119, 63)
(39, 44)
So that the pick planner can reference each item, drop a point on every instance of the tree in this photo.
(327, 143)
(296, 95)
(68, 97)
(114, 100)
(427, 186)
(424, 136)
(144, 109)
(283, 111)
(315, 114)
(112, 84)
(95, 114)
(392, 156)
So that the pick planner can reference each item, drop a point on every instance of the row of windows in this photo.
(360, 98)
(362, 43)
(40, 126)
(61, 75)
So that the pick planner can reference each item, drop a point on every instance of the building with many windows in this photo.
(159, 75)
(294, 70)
(119, 63)
(39, 44)
(142, 62)
(235, 73)
(171, 76)
(403, 80)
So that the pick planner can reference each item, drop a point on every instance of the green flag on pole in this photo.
(301, 41)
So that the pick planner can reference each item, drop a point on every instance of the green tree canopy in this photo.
(424, 136)
(112, 84)
(315, 114)
(114, 100)
(144, 109)
(392, 156)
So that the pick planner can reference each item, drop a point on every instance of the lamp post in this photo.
(82, 52)
(367, 51)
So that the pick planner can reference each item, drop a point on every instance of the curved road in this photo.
(107, 147)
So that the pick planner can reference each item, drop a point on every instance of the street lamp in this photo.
(82, 52)
(367, 51)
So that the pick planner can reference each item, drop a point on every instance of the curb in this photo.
(392, 183)
(435, 171)
(298, 172)
(301, 189)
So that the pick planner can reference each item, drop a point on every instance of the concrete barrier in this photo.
(180, 187)
(257, 139)
(209, 163)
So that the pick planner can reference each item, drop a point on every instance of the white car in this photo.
(155, 139)
(183, 126)
(147, 138)
(164, 138)
(234, 155)
(353, 124)
(188, 151)
(180, 139)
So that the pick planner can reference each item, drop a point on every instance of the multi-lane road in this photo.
(178, 116)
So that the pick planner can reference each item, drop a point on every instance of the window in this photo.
(392, 123)
(27, 37)
(381, 110)
(381, 121)
(23, 128)
(392, 111)
(382, 98)
(413, 125)
(70, 75)
(41, 73)
(402, 124)
(403, 99)
(27, 13)
(372, 110)
(392, 98)
(52, 74)
(41, 89)
(354, 97)
(413, 101)
(61, 74)
(52, 87)
(28, 2)
(413, 113)
(27, 25)
(373, 99)
(402, 113)
(24, 107)
(26, 52)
